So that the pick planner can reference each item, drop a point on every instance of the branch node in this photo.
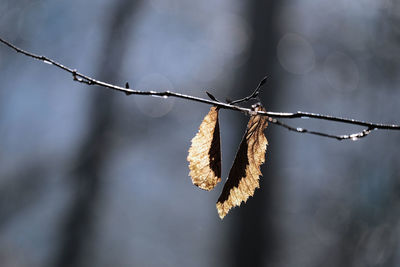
(212, 97)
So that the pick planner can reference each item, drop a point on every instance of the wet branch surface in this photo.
(231, 105)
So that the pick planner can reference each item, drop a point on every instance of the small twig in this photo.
(253, 95)
(353, 137)
(81, 78)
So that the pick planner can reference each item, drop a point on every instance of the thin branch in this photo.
(353, 137)
(82, 78)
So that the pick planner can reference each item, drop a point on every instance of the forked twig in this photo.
(253, 95)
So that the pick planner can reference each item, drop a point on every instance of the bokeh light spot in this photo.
(154, 107)
(341, 72)
(295, 54)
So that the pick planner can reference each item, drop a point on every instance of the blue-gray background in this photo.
(91, 177)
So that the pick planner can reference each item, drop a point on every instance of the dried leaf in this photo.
(244, 175)
(205, 153)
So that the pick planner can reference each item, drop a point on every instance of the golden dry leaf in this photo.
(244, 175)
(205, 153)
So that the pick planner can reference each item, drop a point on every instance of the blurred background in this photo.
(91, 177)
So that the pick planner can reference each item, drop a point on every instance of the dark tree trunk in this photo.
(254, 233)
(79, 223)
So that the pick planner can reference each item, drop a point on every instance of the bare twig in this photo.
(253, 95)
(82, 78)
(353, 137)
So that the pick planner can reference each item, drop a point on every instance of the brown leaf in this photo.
(244, 175)
(205, 153)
